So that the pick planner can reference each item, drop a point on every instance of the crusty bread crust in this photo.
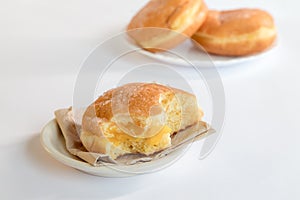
(236, 32)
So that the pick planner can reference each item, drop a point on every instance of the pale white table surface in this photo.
(42, 44)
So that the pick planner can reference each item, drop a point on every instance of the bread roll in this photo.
(171, 22)
(236, 32)
(137, 118)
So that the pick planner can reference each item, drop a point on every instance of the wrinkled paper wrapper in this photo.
(71, 131)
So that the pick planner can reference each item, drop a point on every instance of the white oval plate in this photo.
(187, 53)
(54, 143)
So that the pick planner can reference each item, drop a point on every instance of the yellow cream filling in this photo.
(137, 145)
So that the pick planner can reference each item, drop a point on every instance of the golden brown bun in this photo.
(236, 32)
(175, 21)
(137, 118)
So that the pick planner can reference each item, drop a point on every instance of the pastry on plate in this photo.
(138, 118)
(163, 24)
(236, 32)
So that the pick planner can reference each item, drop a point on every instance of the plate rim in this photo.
(103, 170)
(202, 64)
(77, 164)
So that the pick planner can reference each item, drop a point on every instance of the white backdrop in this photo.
(42, 44)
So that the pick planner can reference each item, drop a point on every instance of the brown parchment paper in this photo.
(71, 131)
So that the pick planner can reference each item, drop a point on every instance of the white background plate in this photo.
(188, 52)
(54, 143)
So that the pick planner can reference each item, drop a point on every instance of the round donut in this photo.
(236, 32)
(163, 24)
